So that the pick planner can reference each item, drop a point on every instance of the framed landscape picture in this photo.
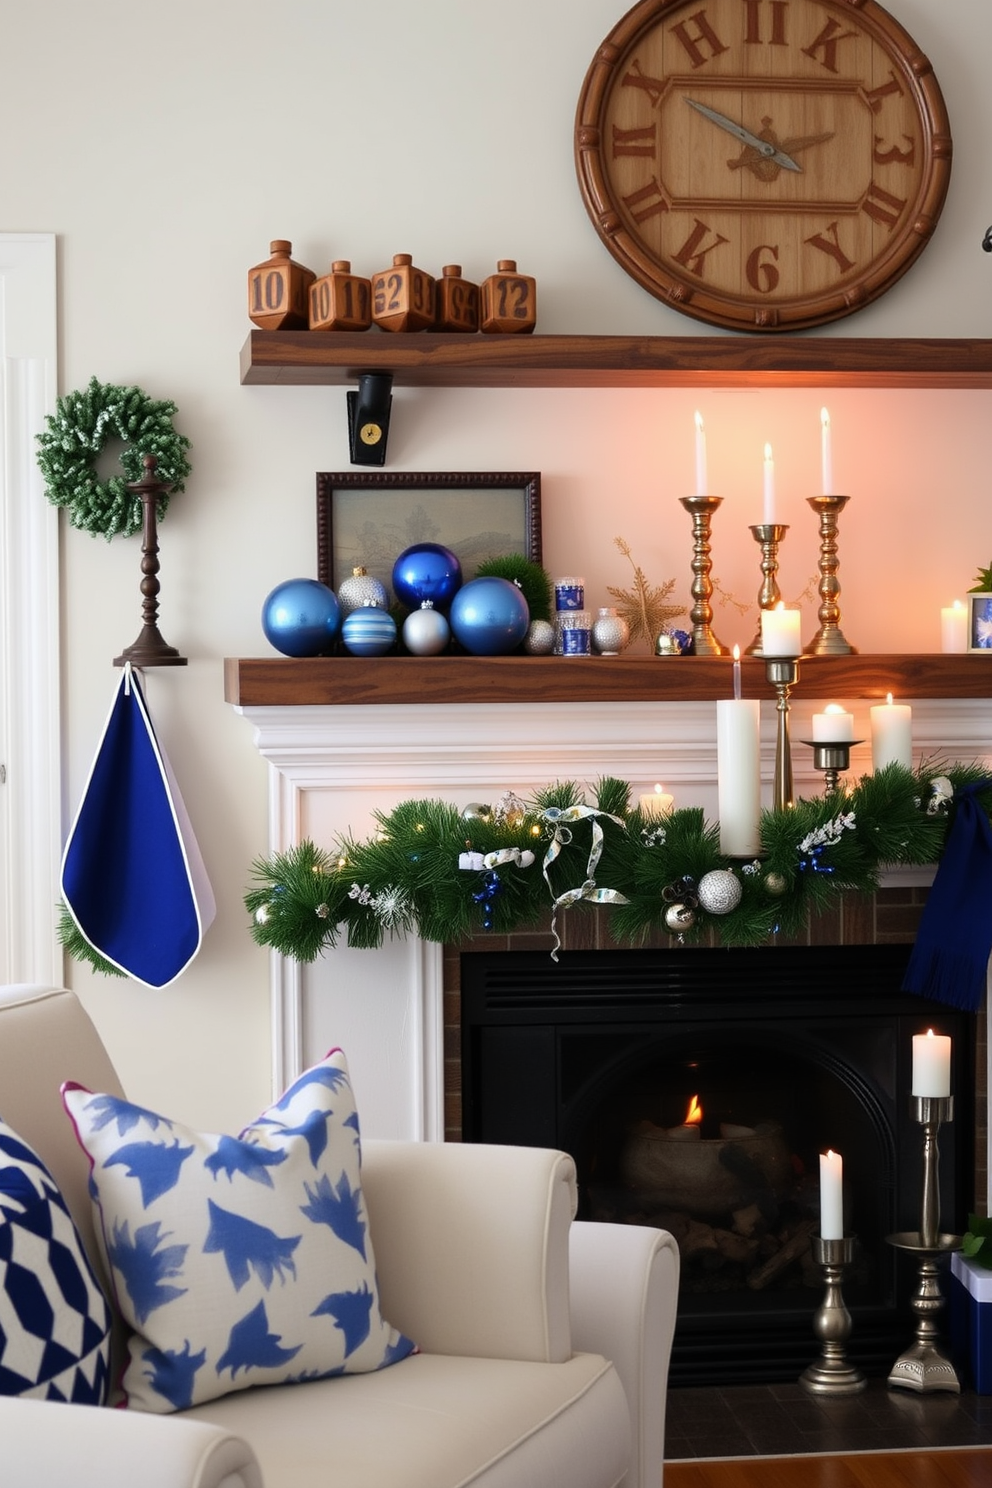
(368, 520)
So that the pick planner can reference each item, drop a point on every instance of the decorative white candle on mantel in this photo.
(780, 632)
(831, 1196)
(931, 1064)
(702, 482)
(826, 456)
(738, 752)
(768, 514)
(891, 735)
(657, 802)
(954, 629)
(833, 726)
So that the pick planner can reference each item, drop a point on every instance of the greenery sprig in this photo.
(444, 873)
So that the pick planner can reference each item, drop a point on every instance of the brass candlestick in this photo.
(783, 673)
(831, 1374)
(832, 758)
(924, 1366)
(829, 639)
(150, 649)
(704, 642)
(769, 535)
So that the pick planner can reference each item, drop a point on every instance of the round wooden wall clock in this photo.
(762, 164)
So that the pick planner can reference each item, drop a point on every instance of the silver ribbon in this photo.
(555, 817)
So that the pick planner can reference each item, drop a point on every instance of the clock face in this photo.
(762, 164)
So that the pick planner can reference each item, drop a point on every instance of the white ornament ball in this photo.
(540, 638)
(719, 891)
(426, 632)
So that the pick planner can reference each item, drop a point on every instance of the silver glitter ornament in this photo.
(719, 891)
(540, 638)
(360, 590)
(610, 633)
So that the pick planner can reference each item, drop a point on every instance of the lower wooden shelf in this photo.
(282, 681)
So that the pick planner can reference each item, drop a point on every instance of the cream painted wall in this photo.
(165, 144)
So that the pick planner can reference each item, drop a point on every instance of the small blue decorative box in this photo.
(970, 1306)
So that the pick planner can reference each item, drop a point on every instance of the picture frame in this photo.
(368, 519)
(980, 622)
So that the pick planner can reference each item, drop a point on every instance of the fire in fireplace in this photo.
(695, 1090)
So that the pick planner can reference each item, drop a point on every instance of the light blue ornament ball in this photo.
(489, 616)
(369, 631)
(426, 571)
(301, 617)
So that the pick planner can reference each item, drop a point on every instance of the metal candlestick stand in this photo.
(831, 1374)
(923, 1366)
(829, 639)
(833, 759)
(150, 648)
(701, 509)
(769, 535)
(783, 673)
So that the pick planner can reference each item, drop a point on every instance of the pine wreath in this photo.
(76, 433)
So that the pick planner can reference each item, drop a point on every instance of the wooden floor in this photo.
(949, 1467)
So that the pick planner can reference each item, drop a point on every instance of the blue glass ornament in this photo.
(369, 631)
(489, 616)
(426, 571)
(301, 617)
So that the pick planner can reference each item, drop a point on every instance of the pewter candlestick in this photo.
(832, 758)
(924, 1366)
(783, 673)
(701, 509)
(769, 535)
(829, 639)
(831, 1374)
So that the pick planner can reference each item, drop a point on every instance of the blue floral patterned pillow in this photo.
(237, 1261)
(54, 1319)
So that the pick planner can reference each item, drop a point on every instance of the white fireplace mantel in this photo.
(332, 767)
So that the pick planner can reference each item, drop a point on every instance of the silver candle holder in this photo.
(783, 673)
(832, 1373)
(833, 759)
(924, 1366)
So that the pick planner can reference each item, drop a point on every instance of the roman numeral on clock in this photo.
(647, 202)
(635, 141)
(881, 206)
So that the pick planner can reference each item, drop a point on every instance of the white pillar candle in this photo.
(826, 455)
(656, 803)
(701, 477)
(831, 1196)
(738, 750)
(780, 633)
(891, 735)
(954, 628)
(931, 1063)
(833, 726)
(769, 503)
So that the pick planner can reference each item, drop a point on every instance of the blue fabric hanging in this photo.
(133, 879)
(949, 960)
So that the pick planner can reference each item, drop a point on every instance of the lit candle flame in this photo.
(694, 1115)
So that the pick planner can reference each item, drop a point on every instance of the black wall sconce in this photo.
(987, 241)
(368, 418)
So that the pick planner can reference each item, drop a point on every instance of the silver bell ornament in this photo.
(679, 918)
(425, 631)
(719, 891)
(360, 590)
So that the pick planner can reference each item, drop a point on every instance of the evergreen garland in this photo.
(562, 852)
(76, 433)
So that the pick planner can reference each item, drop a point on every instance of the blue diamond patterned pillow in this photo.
(54, 1319)
(238, 1261)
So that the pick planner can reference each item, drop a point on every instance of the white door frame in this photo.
(30, 793)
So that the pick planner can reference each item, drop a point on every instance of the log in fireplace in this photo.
(788, 1051)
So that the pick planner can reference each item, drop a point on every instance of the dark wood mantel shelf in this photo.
(426, 360)
(280, 681)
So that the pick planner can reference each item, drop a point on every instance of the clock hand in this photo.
(764, 147)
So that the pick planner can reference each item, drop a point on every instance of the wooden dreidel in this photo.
(508, 300)
(457, 301)
(403, 297)
(341, 300)
(277, 291)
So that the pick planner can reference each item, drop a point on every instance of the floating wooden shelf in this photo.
(348, 680)
(332, 358)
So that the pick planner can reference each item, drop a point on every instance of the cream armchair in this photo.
(544, 1343)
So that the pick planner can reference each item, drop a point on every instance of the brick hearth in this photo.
(889, 917)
